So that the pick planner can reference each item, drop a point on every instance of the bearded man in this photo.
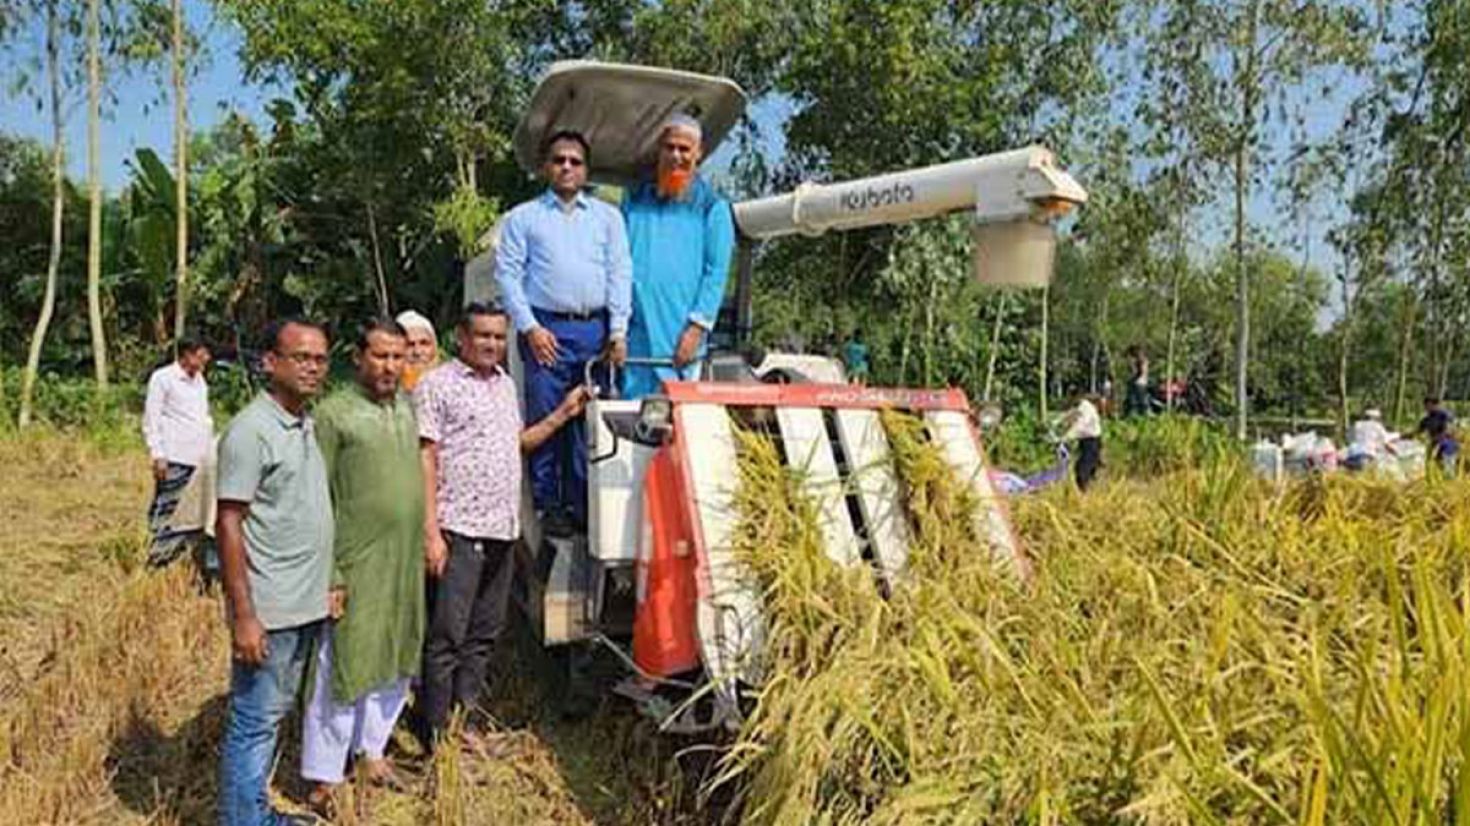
(681, 235)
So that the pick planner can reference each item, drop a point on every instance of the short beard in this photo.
(674, 183)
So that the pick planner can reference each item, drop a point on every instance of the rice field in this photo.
(1192, 648)
(1195, 649)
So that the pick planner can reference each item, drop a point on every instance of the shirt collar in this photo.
(181, 374)
(551, 199)
(284, 417)
(392, 401)
(466, 370)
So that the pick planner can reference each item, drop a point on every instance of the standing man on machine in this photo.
(565, 275)
(682, 234)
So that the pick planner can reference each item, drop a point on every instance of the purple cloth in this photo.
(476, 422)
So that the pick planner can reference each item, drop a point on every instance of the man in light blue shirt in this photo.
(682, 235)
(566, 279)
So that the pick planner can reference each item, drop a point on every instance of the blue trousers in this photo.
(259, 698)
(559, 465)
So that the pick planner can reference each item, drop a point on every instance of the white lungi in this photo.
(332, 732)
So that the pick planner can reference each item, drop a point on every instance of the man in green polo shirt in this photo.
(274, 532)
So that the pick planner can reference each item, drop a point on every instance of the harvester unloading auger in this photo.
(656, 567)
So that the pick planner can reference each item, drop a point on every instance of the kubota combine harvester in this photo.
(654, 578)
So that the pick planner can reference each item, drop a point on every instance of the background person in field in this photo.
(855, 358)
(470, 437)
(681, 235)
(423, 347)
(179, 432)
(1083, 424)
(275, 543)
(1136, 402)
(1437, 426)
(563, 268)
(369, 439)
(1368, 440)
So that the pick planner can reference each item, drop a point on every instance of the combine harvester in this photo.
(656, 566)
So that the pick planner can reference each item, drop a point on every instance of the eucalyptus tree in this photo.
(1416, 114)
(94, 192)
(55, 47)
(1246, 64)
(177, 61)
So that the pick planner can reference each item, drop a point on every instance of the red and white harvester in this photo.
(654, 577)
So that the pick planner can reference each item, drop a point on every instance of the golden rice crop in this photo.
(1198, 649)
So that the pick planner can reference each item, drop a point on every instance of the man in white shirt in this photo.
(180, 435)
(1084, 425)
(1369, 434)
(1369, 442)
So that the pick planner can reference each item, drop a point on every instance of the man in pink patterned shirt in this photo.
(471, 441)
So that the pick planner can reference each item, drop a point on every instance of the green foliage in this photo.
(1143, 447)
(25, 226)
(391, 154)
(465, 218)
(72, 403)
(1153, 446)
(232, 385)
(1022, 444)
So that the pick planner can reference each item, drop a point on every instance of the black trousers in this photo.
(467, 607)
(1089, 458)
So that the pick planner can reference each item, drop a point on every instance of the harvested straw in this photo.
(1194, 650)
(113, 683)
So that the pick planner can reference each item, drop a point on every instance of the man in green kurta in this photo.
(369, 438)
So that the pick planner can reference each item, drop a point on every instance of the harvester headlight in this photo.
(655, 420)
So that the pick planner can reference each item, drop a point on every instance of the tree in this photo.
(94, 191)
(181, 171)
(413, 103)
(1245, 58)
(58, 173)
(1407, 143)
(876, 87)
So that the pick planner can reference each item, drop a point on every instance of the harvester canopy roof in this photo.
(619, 109)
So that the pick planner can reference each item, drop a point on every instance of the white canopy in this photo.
(619, 109)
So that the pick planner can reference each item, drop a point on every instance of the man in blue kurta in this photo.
(565, 278)
(681, 235)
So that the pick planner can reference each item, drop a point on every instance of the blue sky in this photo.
(141, 114)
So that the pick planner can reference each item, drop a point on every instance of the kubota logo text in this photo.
(872, 197)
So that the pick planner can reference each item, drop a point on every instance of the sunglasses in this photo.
(567, 160)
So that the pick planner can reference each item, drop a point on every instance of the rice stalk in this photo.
(1196, 649)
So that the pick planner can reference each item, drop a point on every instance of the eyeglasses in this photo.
(567, 160)
(304, 359)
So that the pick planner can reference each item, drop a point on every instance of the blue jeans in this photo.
(559, 465)
(259, 699)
